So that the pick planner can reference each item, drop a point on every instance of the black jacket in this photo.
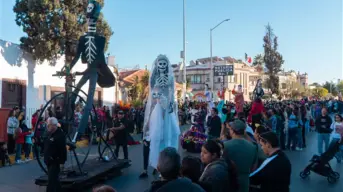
(323, 124)
(215, 177)
(121, 136)
(179, 185)
(55, 151)
(214, 125)
(275, 176)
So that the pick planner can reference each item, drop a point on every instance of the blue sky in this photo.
(309, 31)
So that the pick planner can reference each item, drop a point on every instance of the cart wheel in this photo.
(331, 179)
(304, 174)
(336, 175)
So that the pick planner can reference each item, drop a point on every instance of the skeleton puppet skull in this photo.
(162, 65)
(90, 8)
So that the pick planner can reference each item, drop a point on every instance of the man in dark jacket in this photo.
(214, 124)
(120, 128)
(55, 154)
(274, 175)
(323, 123)
(169, 164)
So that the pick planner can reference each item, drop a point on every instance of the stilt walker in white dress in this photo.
(160, 118)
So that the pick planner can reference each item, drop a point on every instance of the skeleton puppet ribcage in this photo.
(162, 91)
(92, 49)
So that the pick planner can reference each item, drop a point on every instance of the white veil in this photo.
(152, 80)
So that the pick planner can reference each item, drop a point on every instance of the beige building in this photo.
(199, 71)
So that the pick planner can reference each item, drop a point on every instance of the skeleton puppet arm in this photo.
(78, 54)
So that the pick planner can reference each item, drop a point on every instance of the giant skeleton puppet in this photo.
(258, 91)
(239, 98)
(91, 50)
(161, 125)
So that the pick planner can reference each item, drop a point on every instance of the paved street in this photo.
(21, 177)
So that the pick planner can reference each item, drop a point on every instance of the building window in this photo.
(283, 85)
(207, 77)
(11, 87)
(196, 79)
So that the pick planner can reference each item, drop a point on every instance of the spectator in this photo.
(121, 134)
(55, 154)
(218, 175)
(258, 131)
(28, 144)
(4, 158)
(336, 136)
(12, 125)
(214, 124)
(323, 124)
(244, 154)
(19, 140)
(104, 188)
(275, 173)
(169, 165)
(191, 168)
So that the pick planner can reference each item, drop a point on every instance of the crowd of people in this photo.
(244, 150)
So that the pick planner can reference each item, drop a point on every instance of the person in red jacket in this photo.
(257, 109)
(19, 140)
(34, 119)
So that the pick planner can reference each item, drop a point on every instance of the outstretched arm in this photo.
(78, 54)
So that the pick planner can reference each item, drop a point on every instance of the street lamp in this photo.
(211, 63)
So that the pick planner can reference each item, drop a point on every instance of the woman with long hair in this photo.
(12, 125)
(217, 175)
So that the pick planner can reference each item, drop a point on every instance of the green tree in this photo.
(340, 87)
(258, 60)
(315, 84)
(53, 28)
(273, 60)
(331, 87)
(319, 92)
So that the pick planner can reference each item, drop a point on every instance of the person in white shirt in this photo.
(336, 136)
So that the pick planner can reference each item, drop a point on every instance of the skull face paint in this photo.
(162, 65)
(90, 7)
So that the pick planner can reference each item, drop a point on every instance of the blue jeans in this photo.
(292, 138)
(18, 148)
(300, 138)
(323, 138)
(92, 76)
(28, 148)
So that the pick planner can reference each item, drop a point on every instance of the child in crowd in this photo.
(4, 155)
(19, 140)
(28, 144)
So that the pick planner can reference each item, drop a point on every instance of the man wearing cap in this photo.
(121, 134)
(243, 153)
(275, 172)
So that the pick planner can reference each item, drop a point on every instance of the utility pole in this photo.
(211, 62)
(184, 88)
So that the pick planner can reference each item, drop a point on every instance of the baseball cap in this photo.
(238, 125)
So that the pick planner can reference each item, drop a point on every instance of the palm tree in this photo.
(258, 60)
(144, 81)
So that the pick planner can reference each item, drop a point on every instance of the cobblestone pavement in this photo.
(21, 177)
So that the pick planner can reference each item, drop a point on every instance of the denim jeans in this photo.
(323, 138)
(300, 137)
(292, 138)
(18, 151)
(28, 148)
(92, 76)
